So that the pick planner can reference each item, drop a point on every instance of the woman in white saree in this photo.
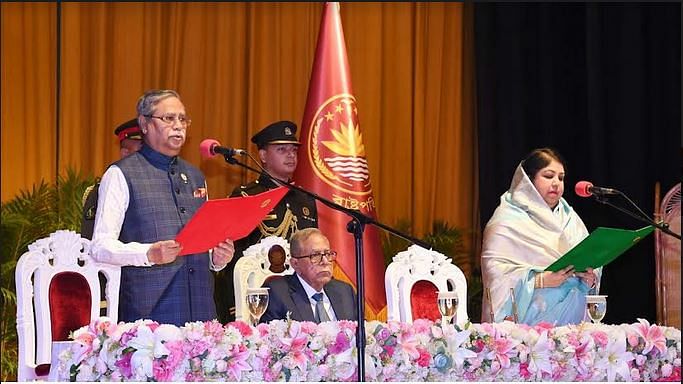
(531, 228)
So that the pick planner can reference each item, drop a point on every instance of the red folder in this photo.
(232, 218)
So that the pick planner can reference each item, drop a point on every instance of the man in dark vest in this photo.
(130, 141)
(145, 199)
(278, 151)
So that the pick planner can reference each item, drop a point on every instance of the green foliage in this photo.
(391, 245)
(29, 216)
(449, 241)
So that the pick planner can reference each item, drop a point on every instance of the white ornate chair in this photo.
(254, 268)
(58, 291)
(412, 280)
(668, 261)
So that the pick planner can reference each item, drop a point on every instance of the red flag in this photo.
(332, 160)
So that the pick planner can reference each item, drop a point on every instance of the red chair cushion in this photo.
(70, 302)
(423, 300)
(42, 370)
(271, 278)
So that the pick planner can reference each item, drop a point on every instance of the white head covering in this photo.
(522, 236)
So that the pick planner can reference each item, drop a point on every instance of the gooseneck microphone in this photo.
(601, 195)
(210, 148)
(587, 189)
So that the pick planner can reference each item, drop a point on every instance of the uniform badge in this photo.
(183, 177)
(200, 192)
(288, 131)
(306, 211)
(90, 214)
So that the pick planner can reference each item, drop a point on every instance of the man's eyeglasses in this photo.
(317, 257)
(170, 119)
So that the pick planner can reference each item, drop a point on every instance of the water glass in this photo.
(447, 301)
(257, 302)
(596, 307)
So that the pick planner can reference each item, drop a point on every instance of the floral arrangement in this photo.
(286, 350)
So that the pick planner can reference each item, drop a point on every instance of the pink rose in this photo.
(196, 348)
(600, 338)
(543, 326)
(424, 358)
(309, 327)
(244, 329)
(524, 370)
(175, 355)
(347, 325)
(124, 365)
(213, 328)
(479, 345)
(340, 345)
(383, 334)
(640, 360)
(573, 339)
(632, 340)
(221, 365)
(389, 349)
(162, 372)
(263, 329)
(422, 326)
(488, 328)
(153, 326)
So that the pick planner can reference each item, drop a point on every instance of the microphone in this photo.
(210, 147)
(587, 189)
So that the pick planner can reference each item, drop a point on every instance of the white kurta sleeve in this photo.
(112, 204)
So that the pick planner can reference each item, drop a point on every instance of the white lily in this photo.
(615, 359)
(454, 341)
(539, 355)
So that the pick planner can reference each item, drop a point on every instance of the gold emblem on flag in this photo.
(336, 151)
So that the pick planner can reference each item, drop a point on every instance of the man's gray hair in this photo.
(147, 103)
(299, 237)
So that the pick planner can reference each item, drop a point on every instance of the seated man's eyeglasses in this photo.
(317, 257)
(170, 119)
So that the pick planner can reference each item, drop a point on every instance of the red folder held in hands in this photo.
(231, 218)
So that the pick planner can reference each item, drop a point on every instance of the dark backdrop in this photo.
(602, 84)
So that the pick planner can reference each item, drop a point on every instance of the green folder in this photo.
(601, 247)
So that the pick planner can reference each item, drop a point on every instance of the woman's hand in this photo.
(555, 279)
(588, 277)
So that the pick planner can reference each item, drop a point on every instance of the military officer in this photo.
(278, 149)
(130, 141)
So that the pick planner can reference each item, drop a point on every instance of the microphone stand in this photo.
(356, 226)
(662, 226)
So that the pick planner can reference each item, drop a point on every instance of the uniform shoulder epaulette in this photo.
(251, 185)
(87, 192)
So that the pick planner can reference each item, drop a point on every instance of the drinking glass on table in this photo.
(447, 301)
(596, 307)
(257, 302)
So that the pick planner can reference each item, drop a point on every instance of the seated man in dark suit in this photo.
(310, 294)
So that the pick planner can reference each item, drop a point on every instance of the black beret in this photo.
(281, 132)
(129, 130)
